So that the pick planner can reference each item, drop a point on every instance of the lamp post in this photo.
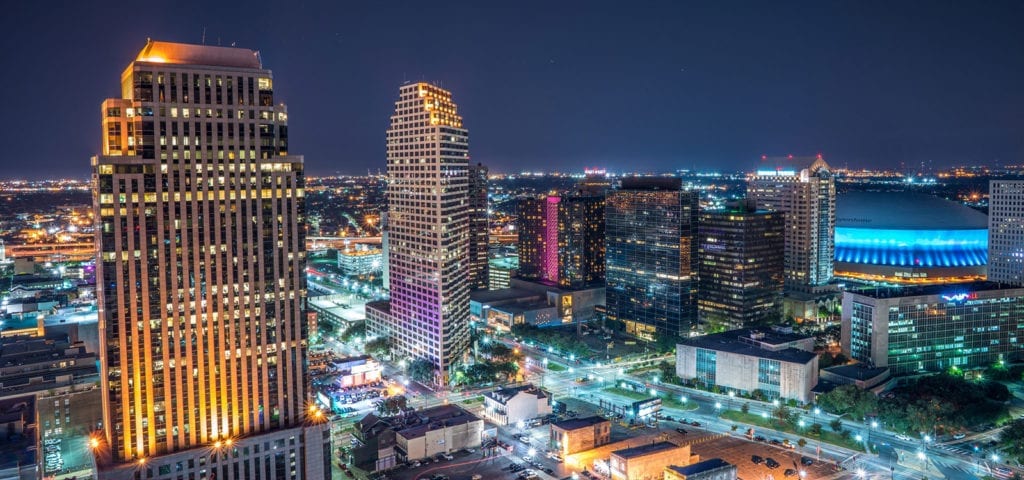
(732, 395)
(816, 412)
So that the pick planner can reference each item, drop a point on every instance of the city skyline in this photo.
(871, 84)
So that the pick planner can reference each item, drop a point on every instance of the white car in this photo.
(902, 437)
(959, 436)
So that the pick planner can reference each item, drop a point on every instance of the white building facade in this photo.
(1006, 231)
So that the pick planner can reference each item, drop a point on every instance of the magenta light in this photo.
(550, 266)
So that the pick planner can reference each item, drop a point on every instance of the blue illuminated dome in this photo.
(909, 237)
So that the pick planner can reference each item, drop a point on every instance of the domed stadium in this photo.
(909, 238)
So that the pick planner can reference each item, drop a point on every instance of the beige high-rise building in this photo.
(428, 231)
(807, 197)
(201, 274)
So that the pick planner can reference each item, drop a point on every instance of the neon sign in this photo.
(960, 297)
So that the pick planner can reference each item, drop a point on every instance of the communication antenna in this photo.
(204, 35)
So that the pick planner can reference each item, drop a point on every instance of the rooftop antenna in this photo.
(204, 35)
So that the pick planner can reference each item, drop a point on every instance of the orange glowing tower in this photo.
(200, 273)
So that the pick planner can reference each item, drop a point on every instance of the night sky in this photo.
(557, 84)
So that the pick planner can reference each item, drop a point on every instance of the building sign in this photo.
(644, 408)
(960, 297)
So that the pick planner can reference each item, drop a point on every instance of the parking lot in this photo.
(739, 451)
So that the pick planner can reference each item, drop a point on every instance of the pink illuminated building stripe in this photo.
(550, 259)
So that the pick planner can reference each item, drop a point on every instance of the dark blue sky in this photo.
(557, 84)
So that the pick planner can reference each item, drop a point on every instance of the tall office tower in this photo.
(561, 240)
(740, 271)
(650, 230)
(479, 234)
(428, 237)
(1006, 231)
(199, 211)
(808, 199)
(385, 274)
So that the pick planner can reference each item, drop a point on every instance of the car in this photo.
(959, 436)
(759, 438)
(524, 439)
(448, 457)
(789, 472)
(757, 460)
(470, 450)
(695, 423)
(771, 463)
(776, 442)
(548, 470)
(806, 461)
(681, 430)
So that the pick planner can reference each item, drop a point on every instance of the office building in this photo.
(201, 283)
(650, 232)
(933, 328)
(428, 231)
(778, 364)
(500, 271)
(479, 227)
(19, 449)
(1006, 231)
(384, 251)
(440, 429)
(807, 196)
(509, 406)
(561, 240)
(740, 271)
(647, 461)
(580, 434)
(909, 238)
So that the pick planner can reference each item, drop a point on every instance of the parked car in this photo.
(757, 460)
(789, 472)
(682, 431)
(806, 461)
(771, 463)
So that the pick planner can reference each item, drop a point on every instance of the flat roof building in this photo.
(777, 364)
(711, 469)
(647, 461)
(580, 434)
(933, 328)
(441, 429)
(508, 406)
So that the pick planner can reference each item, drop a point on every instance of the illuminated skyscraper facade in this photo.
(561, 240)
(808, 199)
(650, 230)
(479, 234)
(428, 231)
(740, 255)
(1006, 231)
(200, 273)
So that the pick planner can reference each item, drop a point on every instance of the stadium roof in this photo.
(905, 211)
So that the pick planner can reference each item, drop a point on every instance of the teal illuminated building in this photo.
(933, 328)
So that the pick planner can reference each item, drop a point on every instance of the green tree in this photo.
(1012, 439)
(837, 425)
(816, 429)
(745, 408)
(378, 347)
(849, 399)
(356, 330)
(783, 414)
(422, 370)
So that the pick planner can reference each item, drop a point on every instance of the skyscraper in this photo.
(428, 219)
(561, 239)
(200, 274)
(479, 234)
(807, 197)
(650, 229)
(740, 255)
(1006, 231)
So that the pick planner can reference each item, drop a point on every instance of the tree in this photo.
(802, 443)
(745, 408)
(422, 370)
(816, 429)
(735, 427)
(783, 414)
(1012, 439)
(356, 330)
(390, 406)
(849, 399)
(378, 347)
(837, 425)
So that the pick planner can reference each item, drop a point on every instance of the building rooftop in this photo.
(645, 450)
(189, 54)
(905, 211)
(438, 417)
(651, 183)
(700, 467)
(740, 343)
(857, 371)
(17, 445)
(501, 295)
(924, 290)
(503, 395)
(576, 423)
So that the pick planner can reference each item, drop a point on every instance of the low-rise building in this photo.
(580, 434)
(441, 429)
(508, 406)
(712, 469)
(19, 439)
(647, 461)
(356, 371)
(535, 303)
(778, 364)
(360, 260)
